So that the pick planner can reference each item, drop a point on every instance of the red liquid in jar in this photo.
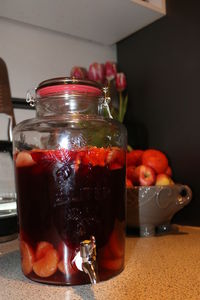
(65, 197)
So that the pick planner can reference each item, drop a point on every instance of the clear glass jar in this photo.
(70, 180)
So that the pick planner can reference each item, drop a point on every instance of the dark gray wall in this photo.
(162, 64)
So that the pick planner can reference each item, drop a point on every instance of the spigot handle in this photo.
(88, 255)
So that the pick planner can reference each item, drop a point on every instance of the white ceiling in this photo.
(102, 21)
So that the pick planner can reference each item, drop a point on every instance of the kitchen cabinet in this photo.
(104, 22)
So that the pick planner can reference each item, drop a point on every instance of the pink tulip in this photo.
(79, 73)
(96, 72)
(121, 82)
(110, 70)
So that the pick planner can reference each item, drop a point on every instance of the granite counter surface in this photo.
(161, 267)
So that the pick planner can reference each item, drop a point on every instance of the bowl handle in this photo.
(185, 195)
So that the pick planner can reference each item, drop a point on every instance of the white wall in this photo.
(33, 54)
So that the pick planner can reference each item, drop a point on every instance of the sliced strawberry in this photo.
(42, 249)
(61, 155)
(114, 166)
(64, 155)
(24, 159)
(116, 155)
(28, 257)
(47, 265)
(95, 156)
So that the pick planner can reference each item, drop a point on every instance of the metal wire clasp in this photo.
(30, 97)
(104, 107)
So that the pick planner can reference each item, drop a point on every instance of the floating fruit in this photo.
(95, 156)
(24, 159)
(28, 258)
(47, 265)
(116, 155)
(115, 166)
(42, 249)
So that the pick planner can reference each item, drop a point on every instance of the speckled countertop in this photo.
(162, 267)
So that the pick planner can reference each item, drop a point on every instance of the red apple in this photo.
(129, 184)
(130, 173)
(169, 171)
(163, 179)
(134, 158)
(146, 175)
(156, 160)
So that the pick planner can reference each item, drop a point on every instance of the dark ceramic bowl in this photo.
(152, 208)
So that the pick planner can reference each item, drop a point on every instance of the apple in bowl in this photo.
(152, 196)
(148, 168)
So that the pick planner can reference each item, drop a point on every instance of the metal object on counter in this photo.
(5, 94)
(8, 211)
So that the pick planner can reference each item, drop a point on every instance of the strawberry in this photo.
(115, 166)
(115, 157)
(95, 156)
(52, 156)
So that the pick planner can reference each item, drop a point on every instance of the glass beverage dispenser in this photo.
(70, 179)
